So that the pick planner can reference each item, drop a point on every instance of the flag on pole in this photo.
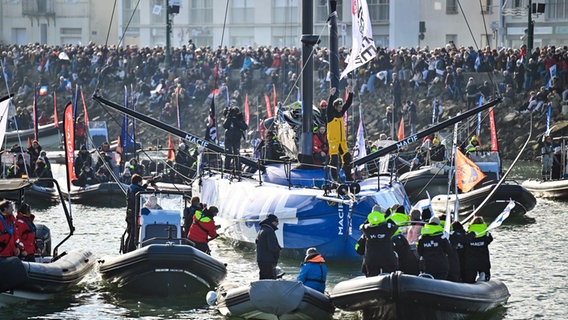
(247, 110)
(363, 46)
(55, 117)
(502, 216)
(69, 135)
(467, 172)
(86, 120)
(171, 148)
(552, 71)
(360, 143)
(434, 104)
(211, 131)
(268, 107)
(401, 129)
(493, 131)
(548, 115)
(36, 133)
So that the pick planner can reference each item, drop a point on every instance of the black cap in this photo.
(269, 219)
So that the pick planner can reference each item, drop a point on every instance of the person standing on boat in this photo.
(267, 247)
(320, 146)
(235, 128)
(407, 261)
(188, 214)
(203, 228)
(434, 250)
(336, 135)
(83, 159)
(458, 241)
(477, 251)
(26, 232)
(376, 245)
(8, 247)
(437, 151)
(473, 145)
(547, 153)
(131, 214)
(34, 150)
(313, 272)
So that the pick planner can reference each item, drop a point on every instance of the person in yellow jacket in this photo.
(336, 136)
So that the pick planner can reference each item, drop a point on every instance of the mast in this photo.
(422, 134)
(308, 41)
(175, 131)
(333, 45)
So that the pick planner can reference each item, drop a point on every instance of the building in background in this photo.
(396, 23)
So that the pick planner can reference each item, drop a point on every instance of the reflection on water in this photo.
(529, 255)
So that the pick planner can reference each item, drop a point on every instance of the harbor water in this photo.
(529, 255)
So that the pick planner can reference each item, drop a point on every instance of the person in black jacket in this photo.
(458, 240)
(83, 159)
(376, 245)
(434, 250)
(267, 248)
(235, 127)
(477, 251)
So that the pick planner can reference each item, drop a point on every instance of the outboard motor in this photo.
(43, 241)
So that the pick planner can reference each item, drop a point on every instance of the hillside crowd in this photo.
(195, 71)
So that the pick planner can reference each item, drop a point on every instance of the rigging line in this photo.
(224, 22)
(110, 23)
(295, 85)
(473, 36)
(504, 175)
(129, 21)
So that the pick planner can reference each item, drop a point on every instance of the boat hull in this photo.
(273, 299)
(468, 202)
(35, 195)
(401, 296)
(49, 136)
(42, 279)
(107, 194)
(552, 189)
(163, 270)
(308, 216)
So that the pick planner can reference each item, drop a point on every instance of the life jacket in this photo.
(480, 229)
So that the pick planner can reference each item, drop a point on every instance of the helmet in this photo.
(375, 218)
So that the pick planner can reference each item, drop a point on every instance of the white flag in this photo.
(361, 150)
(363, 48)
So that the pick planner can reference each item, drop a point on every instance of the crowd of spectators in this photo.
(195, 71)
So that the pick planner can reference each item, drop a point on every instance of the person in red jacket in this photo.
(320, 147)
(203, 228)
(8, 246)
(25, 232)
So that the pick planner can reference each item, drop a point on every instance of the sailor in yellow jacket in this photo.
(336, 135)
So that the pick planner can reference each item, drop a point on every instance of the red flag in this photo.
(29, 142)
(55, 117)
(247, 110)
(401, 129)
(494, 146)
(85, 110)
(171, 149)
(468, 173)
(69, 135)
(268, 107)
(274, 95)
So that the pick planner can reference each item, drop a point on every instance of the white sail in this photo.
(4, 114)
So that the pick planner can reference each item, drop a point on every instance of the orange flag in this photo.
(247, 110)
(171, 149)
(268, 108)
(468, 173)
(401, 129)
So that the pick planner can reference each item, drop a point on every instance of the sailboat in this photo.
(37, 193)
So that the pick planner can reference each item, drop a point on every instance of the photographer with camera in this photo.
(235, 128)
